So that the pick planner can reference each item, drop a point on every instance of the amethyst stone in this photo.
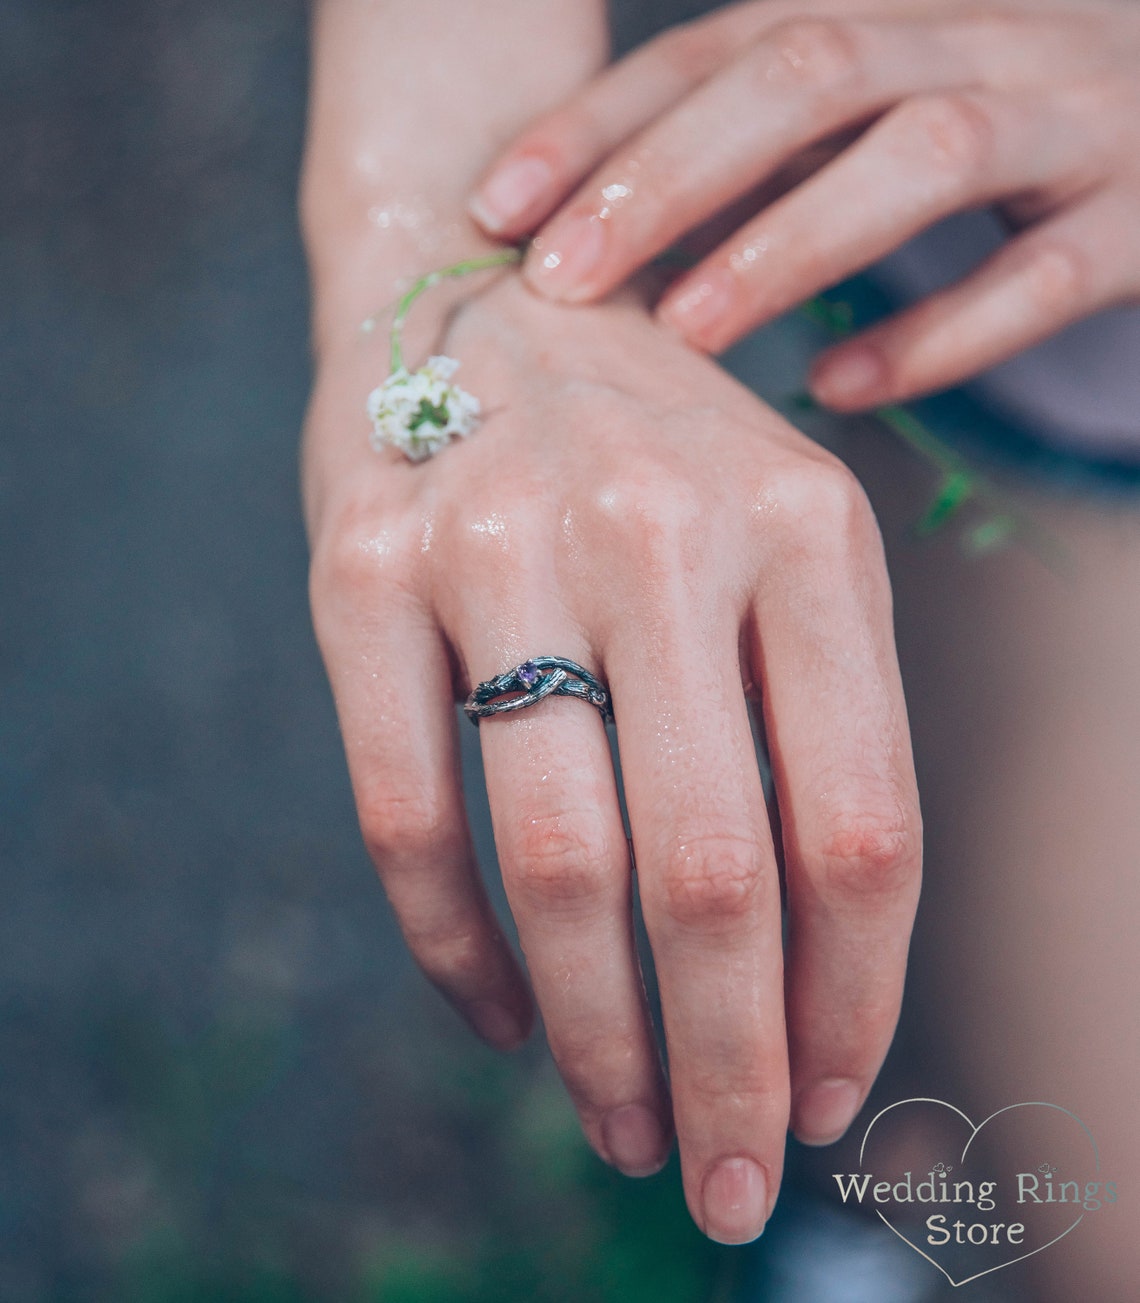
(528, 673)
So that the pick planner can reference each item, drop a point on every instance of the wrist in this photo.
(360, 268)
(410, 100)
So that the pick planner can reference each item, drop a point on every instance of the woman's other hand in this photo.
(825, 134)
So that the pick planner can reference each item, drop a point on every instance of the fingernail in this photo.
(825, 1111)
(510, 192)
(635, 1140)
(735, 1201)
(567, 256)
(848, 375)
(496, 1023)
(696, 305)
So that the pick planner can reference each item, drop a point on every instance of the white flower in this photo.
(419, 412)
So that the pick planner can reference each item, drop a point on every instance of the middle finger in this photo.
(710, 896)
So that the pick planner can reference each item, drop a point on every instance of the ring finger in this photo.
(566, 869)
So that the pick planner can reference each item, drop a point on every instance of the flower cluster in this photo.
(420, 411)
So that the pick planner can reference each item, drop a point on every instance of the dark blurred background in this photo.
(220, 1077)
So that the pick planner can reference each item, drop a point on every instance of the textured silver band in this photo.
(528, 683)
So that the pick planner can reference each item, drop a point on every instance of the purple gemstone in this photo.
(528, 673)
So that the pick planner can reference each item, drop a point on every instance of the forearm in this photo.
(410, 100)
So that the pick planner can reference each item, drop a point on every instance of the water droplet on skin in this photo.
(695, 296)
(365, 163)
(413, 216)
(750, 254)
(492, 526)
(381, 545)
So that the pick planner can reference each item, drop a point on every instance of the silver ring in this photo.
(530, 682)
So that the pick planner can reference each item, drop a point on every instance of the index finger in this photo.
(542, 166)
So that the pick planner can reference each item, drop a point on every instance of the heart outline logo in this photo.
(974, 1131)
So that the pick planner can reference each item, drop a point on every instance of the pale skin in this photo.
(628, 505)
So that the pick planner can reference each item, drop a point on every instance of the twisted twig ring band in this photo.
(542, 676)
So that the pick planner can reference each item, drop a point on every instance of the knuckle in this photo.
(991, 30)
(691, 50)
(749, 1089)
(593, 1058)
(748, 1082)
(492, 526)
(402, 825)
(868, 853)
(560, 861)
(711, 881)
(835, 494)
(821, 499)
(649, 509)
(819, 54)
(564, 138)
(954, 132)
(361, 552)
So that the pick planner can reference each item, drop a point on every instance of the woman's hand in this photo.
(627, 505)
(920, 107)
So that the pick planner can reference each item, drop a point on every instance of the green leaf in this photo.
(989, 535)
(838, 317)
(426, 414)
(954, 491)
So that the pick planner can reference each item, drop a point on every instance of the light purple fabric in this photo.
(1079, 390)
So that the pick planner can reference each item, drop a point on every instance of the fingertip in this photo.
(563, 259)
(484, 216)
(825, 1109)
(514, 196)
(850, 377)
(734, 1201)
(699, 308)
(636, 1141)
(498, 1025)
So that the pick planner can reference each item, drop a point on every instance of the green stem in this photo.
(913, 432)
(960, 482)
(501, 259)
